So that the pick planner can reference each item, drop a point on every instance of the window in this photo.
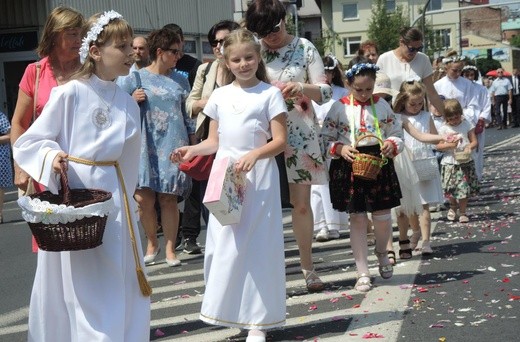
(351, 45)
(350, 11)
(442, 39)
(190, 46)
(434, 5)
(390, 5)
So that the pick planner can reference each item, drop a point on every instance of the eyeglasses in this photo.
(412, 49)
(275, 29)
(173, 51)
(215, 43)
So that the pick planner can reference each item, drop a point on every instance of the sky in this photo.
(500, 1)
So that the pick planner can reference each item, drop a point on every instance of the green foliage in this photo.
(289, 24)
(515, 41)
(485, 65)
(327, 41)
(384, 26)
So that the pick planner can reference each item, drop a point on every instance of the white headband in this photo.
(94, 31)
(335, 63)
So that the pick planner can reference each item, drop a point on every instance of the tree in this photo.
(327, 41)
(485, 65)
(515, 41)
(384, 26)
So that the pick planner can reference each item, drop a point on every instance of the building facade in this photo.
(349, 20)
(22, 21)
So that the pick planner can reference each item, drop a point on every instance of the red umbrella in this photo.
(493, 73)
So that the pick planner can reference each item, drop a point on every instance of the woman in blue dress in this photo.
(165, 126)
(6, 168)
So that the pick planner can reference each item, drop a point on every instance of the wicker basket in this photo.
(367, 166)
(84, 233)
(462, 156)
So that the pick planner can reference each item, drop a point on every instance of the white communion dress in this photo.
(244, 264)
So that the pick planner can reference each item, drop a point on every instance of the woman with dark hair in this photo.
(209, 77)
(295, 66)
(165, 126)
(407, 62)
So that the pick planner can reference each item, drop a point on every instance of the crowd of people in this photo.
(120, 113)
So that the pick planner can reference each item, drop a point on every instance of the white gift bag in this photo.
(225, 192)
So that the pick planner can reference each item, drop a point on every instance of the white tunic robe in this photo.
(89, 295)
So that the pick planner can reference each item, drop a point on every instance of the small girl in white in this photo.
(327, 221)
(459, 180)
(409, 104)
(244, 264)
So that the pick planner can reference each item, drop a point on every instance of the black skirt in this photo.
(356, 195)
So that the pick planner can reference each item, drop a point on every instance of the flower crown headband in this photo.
(469, 67)
(255, 39)
(94, 32)
(453, 59)
(334, 61)
(357, 68)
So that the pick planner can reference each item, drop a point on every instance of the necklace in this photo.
(101, 116)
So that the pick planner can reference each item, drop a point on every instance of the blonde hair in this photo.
(452, 108)
(60, 19)
(117, 29)
(407, 90)
(245, 36)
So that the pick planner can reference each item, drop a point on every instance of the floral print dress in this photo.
(6, 168)
(299, 61)
(165, 127)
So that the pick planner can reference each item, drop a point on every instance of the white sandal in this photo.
(313, 281)
(363, 283)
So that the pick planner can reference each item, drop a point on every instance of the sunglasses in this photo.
(173, 51)
(412, 49)
(216, 42)
(275, 29)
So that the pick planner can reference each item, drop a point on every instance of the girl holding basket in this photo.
(356, 126)
(96, 294)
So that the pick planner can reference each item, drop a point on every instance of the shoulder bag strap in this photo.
(137, 79)
(36, 86)
(206, 72)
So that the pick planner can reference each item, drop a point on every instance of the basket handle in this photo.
(367, 136)
(65, 190)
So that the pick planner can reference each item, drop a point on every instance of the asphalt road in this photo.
(468, 290)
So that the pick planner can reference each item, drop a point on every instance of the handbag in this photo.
(199, 167)
(225, 193)
(424, 161)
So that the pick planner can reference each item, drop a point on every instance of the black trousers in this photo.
(501, 101)
(193, 208)
(515, 109)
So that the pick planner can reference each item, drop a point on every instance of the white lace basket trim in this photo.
(35, 211)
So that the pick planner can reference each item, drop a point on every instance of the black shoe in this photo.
(191, 247)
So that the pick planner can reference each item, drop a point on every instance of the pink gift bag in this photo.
(225, 192)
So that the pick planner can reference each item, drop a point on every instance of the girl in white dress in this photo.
(409, 103)
(244, 263)
(93, 294)
(327, 221)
